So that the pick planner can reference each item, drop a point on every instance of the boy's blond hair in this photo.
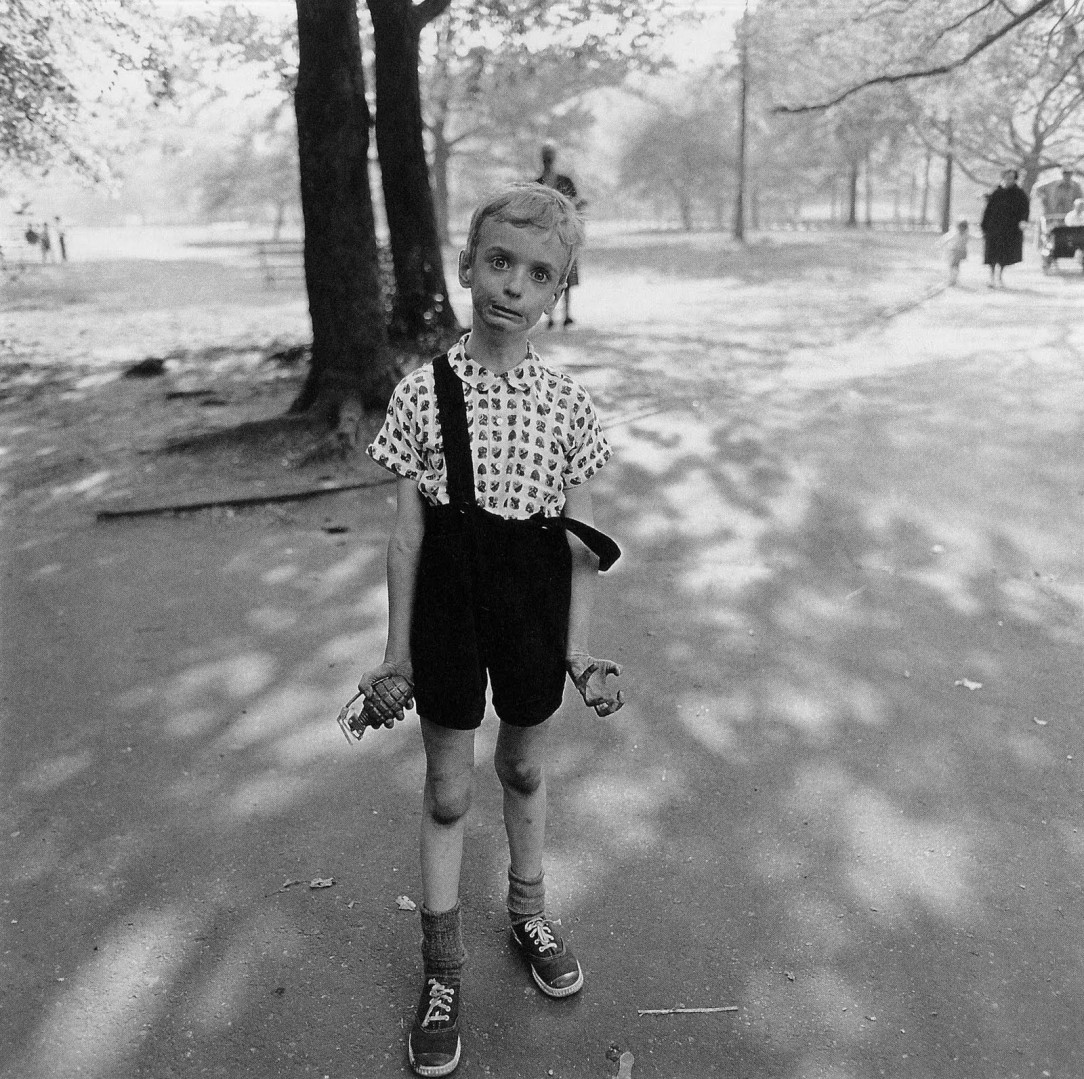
(530, 205)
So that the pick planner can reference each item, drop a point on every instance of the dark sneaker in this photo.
(433, 1045)
(556, 970)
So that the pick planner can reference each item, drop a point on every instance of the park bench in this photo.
(282, 262)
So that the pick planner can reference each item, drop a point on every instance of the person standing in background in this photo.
(61, 240)
(1003, 220)
(563, 184)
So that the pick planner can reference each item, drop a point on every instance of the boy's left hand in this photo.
(589, 676)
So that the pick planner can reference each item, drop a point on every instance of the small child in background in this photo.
(954, 244)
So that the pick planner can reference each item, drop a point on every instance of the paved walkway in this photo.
(845, 798)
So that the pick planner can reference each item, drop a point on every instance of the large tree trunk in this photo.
(352, 366)
(421, 300)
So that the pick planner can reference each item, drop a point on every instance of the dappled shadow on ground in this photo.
(801, 812)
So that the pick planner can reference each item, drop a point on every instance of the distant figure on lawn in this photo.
(954, 244)
(45, 241)
(1060, 196)
(61, 239)
(559, 182)
(1003, 220)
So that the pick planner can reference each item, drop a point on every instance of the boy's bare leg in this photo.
(519, 762)
(449, 784)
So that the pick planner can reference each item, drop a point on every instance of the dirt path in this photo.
(844, 799)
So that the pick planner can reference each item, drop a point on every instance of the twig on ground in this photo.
(300, 495)
(685, 1011)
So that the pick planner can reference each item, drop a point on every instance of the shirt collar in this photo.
(525, 376)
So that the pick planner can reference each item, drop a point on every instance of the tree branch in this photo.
(946, 30)
(923, 73)
(426, 11)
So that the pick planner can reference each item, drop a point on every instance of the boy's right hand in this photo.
(589, 675)
(388, 691)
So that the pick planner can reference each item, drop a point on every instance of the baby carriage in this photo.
(1059, 241)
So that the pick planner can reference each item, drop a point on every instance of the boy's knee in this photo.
(523, 777)
(448, 800)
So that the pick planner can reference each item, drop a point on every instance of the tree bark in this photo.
(946, 191)
(421, 305)
(852, 195)
(924, 218)
(946, 195)
(441, 158)
(352, 367)
(868, 178)
(738, 231)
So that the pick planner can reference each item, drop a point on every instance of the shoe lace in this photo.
(440, 1003)
(542, 935)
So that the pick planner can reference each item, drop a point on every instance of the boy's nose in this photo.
(513, 283)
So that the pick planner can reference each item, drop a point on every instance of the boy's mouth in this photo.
(506, 312)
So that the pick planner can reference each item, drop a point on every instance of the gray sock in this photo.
(526, 898)
(442, 943)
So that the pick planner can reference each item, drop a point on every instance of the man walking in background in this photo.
(552, 178)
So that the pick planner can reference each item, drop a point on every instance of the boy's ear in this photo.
(464, 269)
(551, 306)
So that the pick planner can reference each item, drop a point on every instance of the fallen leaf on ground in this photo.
(1041, 722)
(322, 882)
(967, 683)
(404, 902)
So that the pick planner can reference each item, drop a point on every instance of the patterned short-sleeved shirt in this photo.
(533, 433)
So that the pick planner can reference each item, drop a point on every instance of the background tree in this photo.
(680, 156)
(501, 77)
(870, 43)
(1021, 102)
(258, 174)
(351, 367)
(421, 303)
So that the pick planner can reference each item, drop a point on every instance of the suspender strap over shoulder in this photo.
(452, 416)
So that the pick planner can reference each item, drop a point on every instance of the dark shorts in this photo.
(492, 606)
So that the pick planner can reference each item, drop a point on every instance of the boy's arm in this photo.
(386, 700)
(588, 673)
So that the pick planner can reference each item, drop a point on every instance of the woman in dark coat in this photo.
(1007, 208)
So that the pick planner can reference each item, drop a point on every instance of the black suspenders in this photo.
(452, 414)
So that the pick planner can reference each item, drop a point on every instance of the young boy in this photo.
(485, 584)
(955, 247)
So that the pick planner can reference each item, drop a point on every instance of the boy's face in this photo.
(515, 276)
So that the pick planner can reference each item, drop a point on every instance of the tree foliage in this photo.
(60, 62)
(258, 173)
(679, 157)
(1021, 102)
(857, 44)
(503, 76)
(982, 84)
